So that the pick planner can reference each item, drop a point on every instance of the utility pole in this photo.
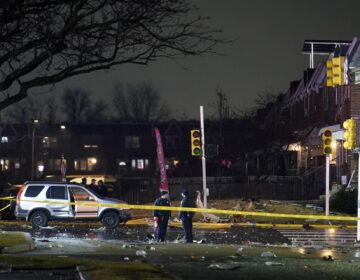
(34, 122)
(327, 150)
(203, 158)
(327, 186)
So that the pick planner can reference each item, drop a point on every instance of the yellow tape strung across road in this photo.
(197, 210)
(7, 206)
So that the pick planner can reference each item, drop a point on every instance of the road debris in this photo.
(140, 253)
(224, 266)
(274, 264)
(268, 254)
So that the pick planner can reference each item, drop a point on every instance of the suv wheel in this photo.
(110, 220)
(39, 219)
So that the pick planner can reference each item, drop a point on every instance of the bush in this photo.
(345, 201)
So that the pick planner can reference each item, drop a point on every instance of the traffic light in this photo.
(350, 134)
(338, 71)
(329, 73)
(327, 140)
(195, 142)
(336, 68)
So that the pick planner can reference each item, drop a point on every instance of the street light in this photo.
(34, 123)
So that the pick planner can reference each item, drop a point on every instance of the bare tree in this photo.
(222, 106)
(76, 105)
(25, 111)
(265, 98)
(140, 102)
(51, 108)
(98, 112)
(46, 41)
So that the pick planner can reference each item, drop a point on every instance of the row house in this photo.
(311, 106)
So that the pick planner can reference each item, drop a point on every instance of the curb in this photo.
(21, 248)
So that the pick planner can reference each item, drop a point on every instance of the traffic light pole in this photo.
(203, 159)
(327, 185)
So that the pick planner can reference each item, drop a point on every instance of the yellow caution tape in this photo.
(7, 198)
(197, 210)
(7, 206)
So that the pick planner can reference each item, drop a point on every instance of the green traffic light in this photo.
(197, 151)
(327, 150)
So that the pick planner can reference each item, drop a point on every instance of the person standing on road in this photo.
(186, 217)
(92, 186)
(101, 189)
(161, 217)
(84, 181)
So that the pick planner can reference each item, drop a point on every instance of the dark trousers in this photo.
(161, 228)
(187, 226)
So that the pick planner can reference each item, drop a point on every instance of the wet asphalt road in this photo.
(139, 234)
(196, 261)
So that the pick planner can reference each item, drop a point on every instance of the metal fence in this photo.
(270, 187)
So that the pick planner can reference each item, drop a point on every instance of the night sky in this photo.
(265, 56)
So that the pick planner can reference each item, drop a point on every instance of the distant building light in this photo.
(122, 163)
(87, 146)
(41, 168)
(17, 165)
(4, 139)
(62, 127)
(93, 160)
(140, 164)
(294, 147)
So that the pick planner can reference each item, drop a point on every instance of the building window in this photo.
(4, 139)
(91, 146)
(55, 164)
(122, 162)
(85, 164)
(132, 142)
(4, 164)
(139, 164)
(49, 142)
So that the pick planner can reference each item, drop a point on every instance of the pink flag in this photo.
(161, 161)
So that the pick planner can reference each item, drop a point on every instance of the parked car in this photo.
(37, 203)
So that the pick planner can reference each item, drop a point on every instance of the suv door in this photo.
(59, 193)
(90, 210)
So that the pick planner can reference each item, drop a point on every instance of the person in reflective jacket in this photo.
(186, 217)
(161, 217)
